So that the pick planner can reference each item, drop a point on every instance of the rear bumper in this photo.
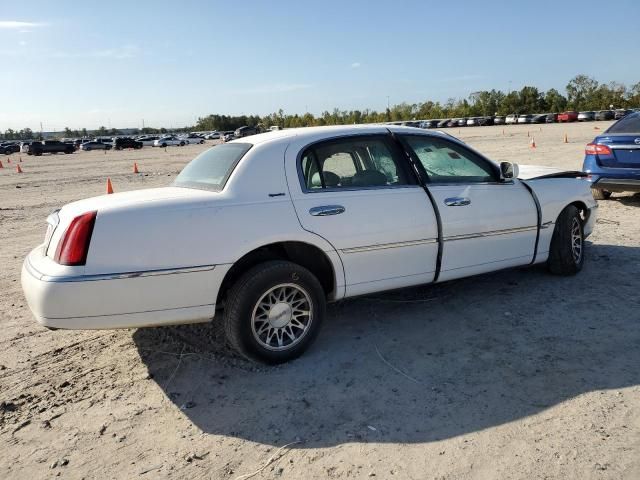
(127, 300)
(618, 184)
(611, 179)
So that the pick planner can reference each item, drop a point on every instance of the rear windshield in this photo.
(211, 169)
(628, 124)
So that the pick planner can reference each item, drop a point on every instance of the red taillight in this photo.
(595, 149)
(74, 244)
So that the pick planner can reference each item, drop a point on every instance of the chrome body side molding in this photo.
(383, 246)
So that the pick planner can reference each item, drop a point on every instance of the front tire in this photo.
(566, 255)
(274, 312)
(600, 194)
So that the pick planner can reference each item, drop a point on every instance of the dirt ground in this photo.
(511, 375)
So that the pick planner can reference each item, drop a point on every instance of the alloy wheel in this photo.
(282, 317)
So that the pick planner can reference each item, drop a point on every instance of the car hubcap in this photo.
(576, 240)
(282, 317)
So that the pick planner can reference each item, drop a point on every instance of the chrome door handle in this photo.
(325, 210)
(456, 201)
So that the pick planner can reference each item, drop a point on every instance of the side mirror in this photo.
(508, 170)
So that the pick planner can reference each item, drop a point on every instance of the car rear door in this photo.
(358, 193)
(486, 224)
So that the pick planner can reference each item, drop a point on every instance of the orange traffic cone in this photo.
(18, 169)
(135, 168)
(533, 143)
(566, 138)
(109, 186)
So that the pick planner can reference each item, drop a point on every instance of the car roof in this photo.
(318, 133)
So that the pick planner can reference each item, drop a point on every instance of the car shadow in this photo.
(629, 200)
(421, 364)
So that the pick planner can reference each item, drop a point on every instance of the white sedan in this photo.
(261, 232)
(147, 141)
(170, 140)
(192, 139)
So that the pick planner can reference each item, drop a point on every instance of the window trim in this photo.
(425, 176)
(394, 149)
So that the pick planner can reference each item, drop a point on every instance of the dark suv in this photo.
(124, 142)
(50, 146)
(245, 131)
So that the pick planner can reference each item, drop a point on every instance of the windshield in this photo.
(211, 169)
(628, 124)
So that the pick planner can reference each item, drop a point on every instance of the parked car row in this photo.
(568, 116)
(70, 145)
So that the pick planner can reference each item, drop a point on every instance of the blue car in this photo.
(612, 159)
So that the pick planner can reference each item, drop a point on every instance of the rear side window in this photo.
(628, 124)
(448, 162)
(353, 162)
(211, 169)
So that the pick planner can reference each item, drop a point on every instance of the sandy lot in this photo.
(512, 375)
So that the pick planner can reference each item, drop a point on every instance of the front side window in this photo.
(353, 162)
(211, 169)
(448, 162)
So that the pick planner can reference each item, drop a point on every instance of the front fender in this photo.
(554, 194)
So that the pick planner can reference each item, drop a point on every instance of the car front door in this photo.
(358, 193)
(487, 224)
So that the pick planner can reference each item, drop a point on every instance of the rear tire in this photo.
(566, 255)
(600, 194)
(274, 312)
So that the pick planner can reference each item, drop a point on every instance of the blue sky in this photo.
(86, 64)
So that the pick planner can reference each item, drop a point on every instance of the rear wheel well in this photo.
(308, 256)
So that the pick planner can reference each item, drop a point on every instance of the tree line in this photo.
(581, 93)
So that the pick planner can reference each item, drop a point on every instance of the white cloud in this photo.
(128, 51)
(22, 43)
(356, 65)
(22, 26)
(276, 88)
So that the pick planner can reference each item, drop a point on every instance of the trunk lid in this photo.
(625, 150)
(58, 222)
